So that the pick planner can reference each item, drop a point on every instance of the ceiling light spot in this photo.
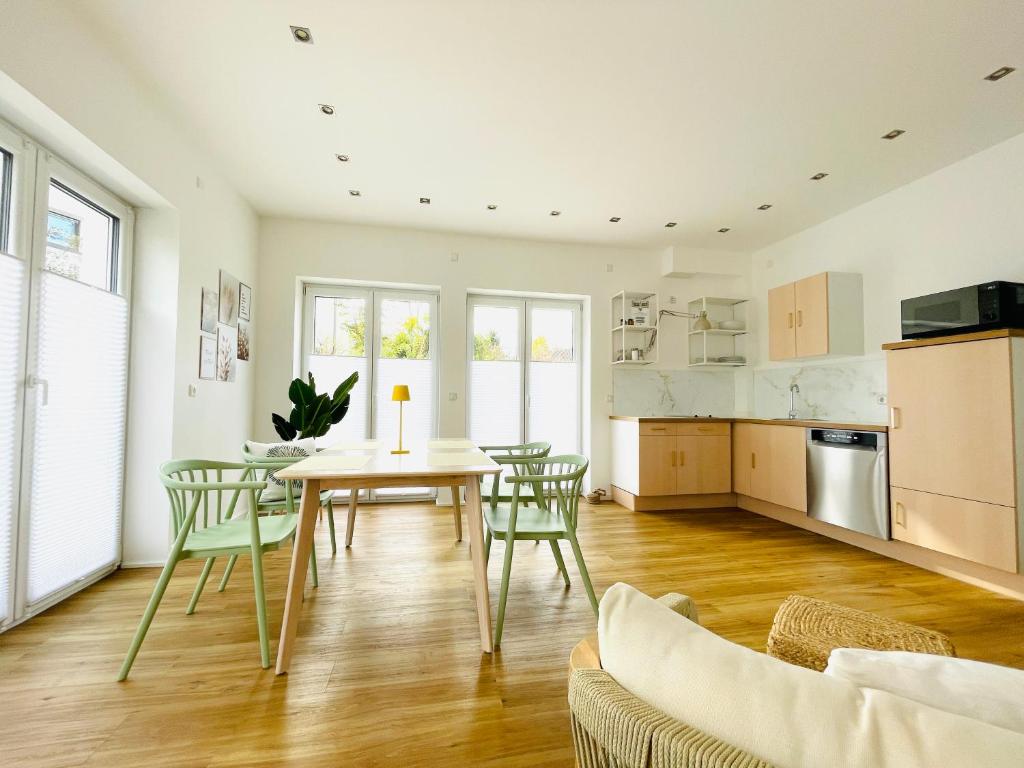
(492, 207)
(615, 219)
(355, 192)
(764, 206)
(342, 158)
(670, 224)
(556, 213)
(302, 35)
(425, 200)
(894, 134)
(327, 109)
(1000, 73)
(723, 230)
(818, 176)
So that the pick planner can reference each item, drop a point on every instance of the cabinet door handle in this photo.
(673, 458)
(753, 461)
(799, 318)
(657, 429)
(682, 458)
(790, 319)
(895, 422)
(901, 514)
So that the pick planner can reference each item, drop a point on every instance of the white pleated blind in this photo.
(12, 283)
(78, 459)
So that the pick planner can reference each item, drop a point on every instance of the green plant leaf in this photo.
(315, 417)
(284, 429)
(345, 388)
(338, 410)
(300, 393)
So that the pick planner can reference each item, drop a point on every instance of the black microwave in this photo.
(964, 310)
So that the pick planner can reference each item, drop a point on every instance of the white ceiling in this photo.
(689, 111)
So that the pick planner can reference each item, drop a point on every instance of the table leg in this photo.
(353, 503)
(297, 574)
(458, 512)
(474, 516)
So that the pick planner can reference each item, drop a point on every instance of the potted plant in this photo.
(313, 414)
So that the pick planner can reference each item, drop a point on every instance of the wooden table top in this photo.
(372, 458)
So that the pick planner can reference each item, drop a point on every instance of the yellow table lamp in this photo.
(400, 394)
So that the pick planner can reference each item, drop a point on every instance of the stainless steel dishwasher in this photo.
(848, 479)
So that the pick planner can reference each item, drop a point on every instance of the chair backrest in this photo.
(210, 487)
(518, 456)
(559, 478)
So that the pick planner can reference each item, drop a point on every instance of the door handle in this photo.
(799, 318)
(753, 461)
(657, 429)
(34, 382)
(790, 319)
(895, 422)
(673, 458)
(901, 514)
(682, 458)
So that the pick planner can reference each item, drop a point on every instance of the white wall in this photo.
(958, 226)
(73, 91)
(293, 249)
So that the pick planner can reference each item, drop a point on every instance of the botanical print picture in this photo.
(228, 299)
(227, 352)
(243, 340)
(244, 301)
(207, 358)
(208, 322)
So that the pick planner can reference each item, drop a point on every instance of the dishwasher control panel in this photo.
(844, 437)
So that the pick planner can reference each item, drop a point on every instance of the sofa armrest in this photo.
(681, 604)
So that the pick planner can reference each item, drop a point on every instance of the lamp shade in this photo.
(400, 393)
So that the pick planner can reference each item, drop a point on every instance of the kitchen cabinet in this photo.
(816, 316)
(770, 464)
(956, 445)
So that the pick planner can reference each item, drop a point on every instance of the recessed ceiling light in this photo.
(670, 224)
(818, 176)
(723, 230)
(327, 109)
(355, 192)
(492, 207)
(556, 213)
(342, 158)
(764, 206)
(615, 219)
(1000, 73)
(894, 134)
(302, 35)
(425, 200)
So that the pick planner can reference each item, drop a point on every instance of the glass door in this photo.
(388, 337)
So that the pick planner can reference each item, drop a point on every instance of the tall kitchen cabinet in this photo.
(816, 316)
(956, 445)
(769, 462)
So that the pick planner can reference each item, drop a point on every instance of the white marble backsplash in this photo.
(841, 391)
(648, 392)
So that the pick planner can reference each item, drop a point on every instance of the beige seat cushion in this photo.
(789, 716)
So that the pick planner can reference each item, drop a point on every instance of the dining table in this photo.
(364, 465)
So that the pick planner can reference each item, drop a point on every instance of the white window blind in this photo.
(78, 460)
(12, 281)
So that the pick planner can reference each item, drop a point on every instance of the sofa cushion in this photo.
(789, 716)
(980, 691)
(275, 490)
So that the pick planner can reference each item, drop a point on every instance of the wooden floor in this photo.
(388, 669)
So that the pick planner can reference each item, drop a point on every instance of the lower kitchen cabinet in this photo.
(769, 462)
(972, 530)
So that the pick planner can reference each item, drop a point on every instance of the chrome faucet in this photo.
(793, 392)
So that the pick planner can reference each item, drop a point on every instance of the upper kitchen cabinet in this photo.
(816, 316)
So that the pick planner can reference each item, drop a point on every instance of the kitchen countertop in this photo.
(811, 423)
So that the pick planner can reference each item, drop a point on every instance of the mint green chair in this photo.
(511, 456)
(326, 497)
(556, 482)
(198, 490)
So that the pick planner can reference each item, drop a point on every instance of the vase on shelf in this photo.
(702, 323)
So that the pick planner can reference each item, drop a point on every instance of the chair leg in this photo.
(207, 567)
(583, 571)
(261, 606)
(558, 559)
(487, 546)
(330, 523)
(506, 573)
(227, 573)
(147, 617)
(353, 501)
(313, 575)
(458, 512)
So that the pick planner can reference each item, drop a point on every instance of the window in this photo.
(524, 371)
(81, 239)
(388, 337)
